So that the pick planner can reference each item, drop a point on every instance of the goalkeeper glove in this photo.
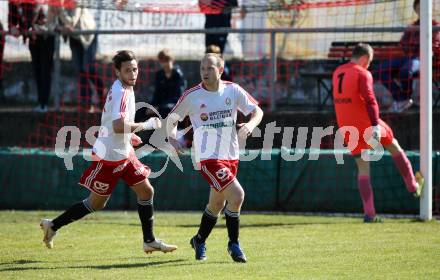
(375, 136)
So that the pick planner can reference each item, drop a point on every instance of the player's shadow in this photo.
(19, 262)
(267, 225)
(99, 267)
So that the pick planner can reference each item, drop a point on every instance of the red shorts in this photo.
(101, 178)
(386, 138)
(219, 173)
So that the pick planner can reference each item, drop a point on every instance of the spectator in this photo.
(25, 17)
(217, 15)
(2, 47)
(226, 75)
(169, 84)
(406, 67)
(84, 48)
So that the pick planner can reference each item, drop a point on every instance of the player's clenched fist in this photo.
(245, 130)
(135, 140)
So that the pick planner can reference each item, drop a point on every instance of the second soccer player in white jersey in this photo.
(212, 108)
(114, 159)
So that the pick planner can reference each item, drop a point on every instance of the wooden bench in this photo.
(382, 50)
(339, 53)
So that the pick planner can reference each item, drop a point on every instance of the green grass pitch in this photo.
(107, 245)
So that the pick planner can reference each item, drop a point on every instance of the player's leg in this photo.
(209, 219)
(234, 195)
(414, 183)
(77, 211)
(365, 190)
(135, 175)
(100, 180)
(144, 193)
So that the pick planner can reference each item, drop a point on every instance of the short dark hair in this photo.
(416, 2)
(122, 56)
(362, 49)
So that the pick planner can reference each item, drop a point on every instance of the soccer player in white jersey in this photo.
(212, 108)
(114, 158)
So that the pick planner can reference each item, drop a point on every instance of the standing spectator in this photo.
(2, 47)
(217, 15)
(406, 67)
(84, 48)
(25, 17)
(169, 83)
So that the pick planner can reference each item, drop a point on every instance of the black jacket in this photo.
(168, 90)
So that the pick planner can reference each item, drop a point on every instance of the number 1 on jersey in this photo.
(340, 77)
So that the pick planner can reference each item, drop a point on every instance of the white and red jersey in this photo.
(114, 147)
(213, 117)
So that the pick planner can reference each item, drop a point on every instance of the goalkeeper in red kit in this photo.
(356, 107)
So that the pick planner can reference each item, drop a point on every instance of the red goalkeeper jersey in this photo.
(353, 97)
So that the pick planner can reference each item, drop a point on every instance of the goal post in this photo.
(426, 107)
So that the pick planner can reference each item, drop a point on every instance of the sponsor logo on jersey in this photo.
(100, 187)
(219, 124)
(204, 117)
(222, 173)
(228, 101)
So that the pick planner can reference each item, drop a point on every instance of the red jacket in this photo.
(410, 40)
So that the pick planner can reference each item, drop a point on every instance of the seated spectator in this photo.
(226, 75)
(397, 74)
(169, 84)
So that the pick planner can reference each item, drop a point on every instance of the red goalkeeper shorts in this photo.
(386, 138)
